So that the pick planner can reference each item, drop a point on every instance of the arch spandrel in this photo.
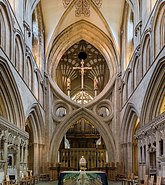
(63, 127)
(83, 30)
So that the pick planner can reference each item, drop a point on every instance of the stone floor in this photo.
(56, 183)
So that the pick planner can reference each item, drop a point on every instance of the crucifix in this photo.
(82, 56)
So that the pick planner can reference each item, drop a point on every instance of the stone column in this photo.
(157, 149)
(5, 152)
(25, 156)
(18, 160)
(129, 160)
(164, 142)
(36, 158)
(139, 160)
(163, 160)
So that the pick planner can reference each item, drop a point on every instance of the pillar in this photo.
(18, 160)
(25, 156)
(5, 152)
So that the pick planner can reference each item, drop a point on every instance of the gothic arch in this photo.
(36, 84)
(76, 32)
(63, 127)
(127, 35)
(73, 34)
(158, 28)
(154, 94)
(19, 53)
(146, 52)
(5, 28)
(38, 37)
(128, 126)
(35, 127)
(129, 83)
(137, 71)
(10, 97)
(29, 69)
(35, 115)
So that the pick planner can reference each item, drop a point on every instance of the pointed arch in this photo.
(146, 52)
(129, 126)
(19, 53)
(38, 37)
(159, 28)
(129, 83)
(5, 28)
(29, 69)
(128, 34)
(36, 117)
(154, 94)
(35, 127)
(137, 71)
(105, 132)
(10, 96)
(36, 84)
(76, 32)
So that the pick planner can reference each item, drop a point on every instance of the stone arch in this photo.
(130, 119)
(29, 69)
(5, 28)
(128, 34)
(158, 28)
(129, 83)
(146, 53)
(103, 128)
(36, 116)
(36, 84)
(154, 94)
(19, 53)
(137, 71)
(73, 34)
(123, 96)
(76, 32)
(35, 127)
(9, 96)
(38, 37)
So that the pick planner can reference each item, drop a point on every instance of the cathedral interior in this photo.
(82, 78)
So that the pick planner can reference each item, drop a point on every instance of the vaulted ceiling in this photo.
(106, 16)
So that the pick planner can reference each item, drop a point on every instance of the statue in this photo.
(68, 84)
(95, 83)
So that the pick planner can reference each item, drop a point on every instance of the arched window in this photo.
(129, 84)
(128, 37)
(28, 73)
(5, 30)
(159, 29)
(38, 38)
(18, 61)
(146, 54)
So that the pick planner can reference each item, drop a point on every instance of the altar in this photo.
(82, 178)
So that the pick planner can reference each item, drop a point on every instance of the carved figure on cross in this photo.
(82, 68)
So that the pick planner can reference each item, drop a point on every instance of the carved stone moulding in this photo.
(82, 6)
(60, 110)
(157, 124)
(104, 110)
